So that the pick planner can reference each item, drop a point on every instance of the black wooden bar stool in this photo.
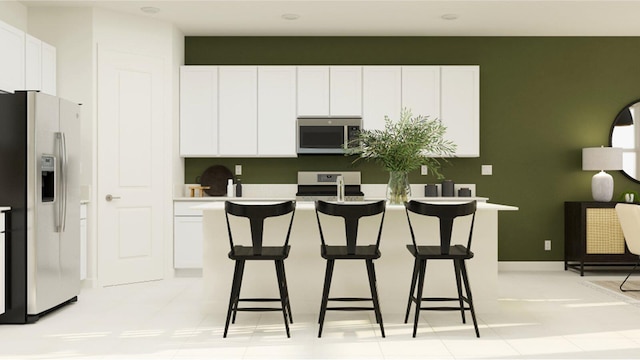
(351, 213)
(257, 213)
(446, 214)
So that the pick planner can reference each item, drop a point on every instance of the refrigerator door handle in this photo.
(62, 204)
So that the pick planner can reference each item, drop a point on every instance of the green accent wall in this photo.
(542, 99)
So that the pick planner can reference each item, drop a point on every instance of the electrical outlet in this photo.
(547, 245)
(238, 169)
(486, 170)
(424, 170)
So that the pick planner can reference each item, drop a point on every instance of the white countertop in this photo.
(304, 205)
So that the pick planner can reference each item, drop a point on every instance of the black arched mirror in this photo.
(625, 134)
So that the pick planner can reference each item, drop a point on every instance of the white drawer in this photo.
(184, 208)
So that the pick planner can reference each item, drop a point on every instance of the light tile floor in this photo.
(540, 315)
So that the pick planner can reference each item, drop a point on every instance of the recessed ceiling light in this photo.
(290, 16)
(449, 16)
(149, 9)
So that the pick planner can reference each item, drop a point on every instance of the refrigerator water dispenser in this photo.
(48, 170)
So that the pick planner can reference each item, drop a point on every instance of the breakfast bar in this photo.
(305, 268)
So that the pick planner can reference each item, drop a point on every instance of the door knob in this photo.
(110, 197)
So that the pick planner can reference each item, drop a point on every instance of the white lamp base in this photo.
(602, 186)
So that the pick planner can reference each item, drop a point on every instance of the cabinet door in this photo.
(49, 67)
(460, 108)
(421, 90)
(313, 90)
(12, 43)
(3, 284)
(187, 242)
(198, 111)
(238, 116)
(277, 111)
(33, 63)
(345, 91)
(381, 95)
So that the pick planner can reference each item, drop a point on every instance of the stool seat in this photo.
(268, 253)
(433, 252)
(340, 252)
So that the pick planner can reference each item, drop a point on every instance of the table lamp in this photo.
(602, 158)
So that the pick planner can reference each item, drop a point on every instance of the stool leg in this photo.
(283, 296)
(235, 287)
(371, 271)
(286, 292)
(468, 288)
(325, 294)
(414, 278)
(423, 268)
(237, 299)
(456, 266)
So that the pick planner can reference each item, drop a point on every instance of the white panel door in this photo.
(49, 68)
(198, 111)
(460, 108)
(131, 121)
(12, 42)
(277, 111)
(381, 95)
(345, 91)
(33, 63)
(238, 110)
(421, 90)
(313, 91)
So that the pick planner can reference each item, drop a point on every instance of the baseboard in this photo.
(530, 266)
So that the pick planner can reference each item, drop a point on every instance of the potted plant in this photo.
(404, 146)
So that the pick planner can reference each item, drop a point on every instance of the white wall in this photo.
(14, 14)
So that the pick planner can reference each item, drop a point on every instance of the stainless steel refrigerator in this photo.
(40, 180)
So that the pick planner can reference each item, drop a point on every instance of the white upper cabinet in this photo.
(40, 66)
(345, 91)
(12, 45)
(238, 110)
(460, 108)
(329, 91)
(198, 111)
(277, 111)
(421, 90)
(313, 91)
(33, 63)
(381, 95)
(49, 66)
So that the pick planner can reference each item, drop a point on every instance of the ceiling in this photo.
(385, 17)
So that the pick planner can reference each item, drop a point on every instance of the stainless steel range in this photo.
(322, 185)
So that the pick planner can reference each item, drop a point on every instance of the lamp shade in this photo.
(602, 158)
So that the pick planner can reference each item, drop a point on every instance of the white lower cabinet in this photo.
(83, 241)
(187, 236)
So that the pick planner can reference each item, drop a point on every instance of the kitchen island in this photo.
(305, 267)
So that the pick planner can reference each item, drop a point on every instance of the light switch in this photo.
(238, 169)
(487, 170)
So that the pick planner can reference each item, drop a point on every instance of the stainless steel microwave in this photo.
(326, 135)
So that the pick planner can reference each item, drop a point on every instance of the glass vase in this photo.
(398, 189)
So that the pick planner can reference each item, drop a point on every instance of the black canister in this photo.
(430, 190)
(447, 188)
(464, 192)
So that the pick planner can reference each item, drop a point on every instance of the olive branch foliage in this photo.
(404, 145)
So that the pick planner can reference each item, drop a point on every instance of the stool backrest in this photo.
(446, 213)
(257, 213)
(629, 217)
(351, 213)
